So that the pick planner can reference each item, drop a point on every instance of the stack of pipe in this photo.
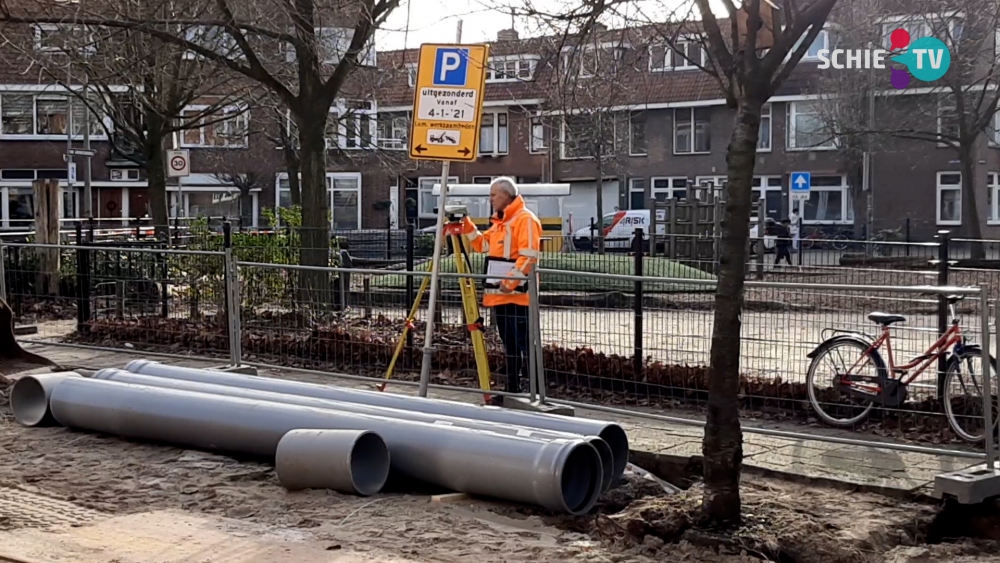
(339, 438)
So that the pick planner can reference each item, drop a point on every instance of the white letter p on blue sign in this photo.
(451, 67)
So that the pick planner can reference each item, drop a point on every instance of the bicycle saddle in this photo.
(886, 319)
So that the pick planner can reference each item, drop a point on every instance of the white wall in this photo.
(582, 202)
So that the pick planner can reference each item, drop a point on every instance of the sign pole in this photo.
(425, 366)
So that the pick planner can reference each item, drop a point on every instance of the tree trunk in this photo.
(156, 174)
(315, 231)
(722, 446)
(970, 209)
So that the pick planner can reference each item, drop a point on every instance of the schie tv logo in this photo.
(927, 59)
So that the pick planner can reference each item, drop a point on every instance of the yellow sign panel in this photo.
(448, 102)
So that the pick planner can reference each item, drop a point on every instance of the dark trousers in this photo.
(781, 251)
(512, 324)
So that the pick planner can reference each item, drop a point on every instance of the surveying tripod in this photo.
(470, 307)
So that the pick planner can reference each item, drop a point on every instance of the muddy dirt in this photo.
(638, 522)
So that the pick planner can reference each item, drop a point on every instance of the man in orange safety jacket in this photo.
(512, 242)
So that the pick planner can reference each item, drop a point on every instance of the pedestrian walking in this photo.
(783, 241)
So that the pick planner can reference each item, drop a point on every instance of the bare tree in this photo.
(598, 72)
(139, 90)
(303, 52)
(750, 54)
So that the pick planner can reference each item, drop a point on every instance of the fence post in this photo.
(536, 365)
(944, 243)
(984, 320)
(410, 297)
(3, 271)
(761, 224)
(908, 236)
(82, 282)
(637, 353)
(232, 296)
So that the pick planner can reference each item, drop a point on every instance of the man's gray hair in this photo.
(506, 184)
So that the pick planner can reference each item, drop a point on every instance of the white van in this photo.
(619, 230)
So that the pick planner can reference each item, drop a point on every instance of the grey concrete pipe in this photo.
(346, 461)
(561, 475)
(610, 432)
(29, 397)
(607, 459)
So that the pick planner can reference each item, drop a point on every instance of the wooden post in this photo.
(672, 229)
(47, 196)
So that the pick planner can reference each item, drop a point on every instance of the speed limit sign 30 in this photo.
(178, 163)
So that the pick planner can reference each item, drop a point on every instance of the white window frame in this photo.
(671, 180)
(231, 49)
(715, 180)
(945, 103)
(495, 131)
(927, 20)
(243, 114)
(493, 74)
(691, 113)
(537, 141)
(399, 124)
(411, 74)
(766, 112)
(617, 49)
(99, 135)
(765, 187)
(425, 188)
(343, 112)
(993, 196)
(993, 130)
(847, 211)
(685, 62)
(206, 183)
(940, 188)
(88, 49)
(823, 38)
(563, 128)
(790, 141)
(330, 178)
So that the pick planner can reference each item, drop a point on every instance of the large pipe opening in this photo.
(581, 479)
(29, 402)
(369, 464)
(607, 461)
(617, 440)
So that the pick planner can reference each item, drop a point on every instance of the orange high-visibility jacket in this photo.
(518, 237)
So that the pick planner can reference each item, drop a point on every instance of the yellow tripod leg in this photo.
(406, 329)
(471, 307)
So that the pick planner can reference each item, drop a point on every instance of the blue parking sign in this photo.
(451, 67)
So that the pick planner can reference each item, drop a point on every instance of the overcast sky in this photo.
(433, 21)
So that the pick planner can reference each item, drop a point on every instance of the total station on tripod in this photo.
(454, 212)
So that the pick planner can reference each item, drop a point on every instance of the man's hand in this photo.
(505, 289)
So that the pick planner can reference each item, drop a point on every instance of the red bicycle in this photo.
(863, 378)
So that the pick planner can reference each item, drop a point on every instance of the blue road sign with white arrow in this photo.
(801, 181)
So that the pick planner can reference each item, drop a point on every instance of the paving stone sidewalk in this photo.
(870, 467)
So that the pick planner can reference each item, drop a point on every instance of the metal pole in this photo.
(3, 271)
(534, 336)
(425, 366)
(984, 319)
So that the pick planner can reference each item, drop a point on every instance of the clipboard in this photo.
(497, 270)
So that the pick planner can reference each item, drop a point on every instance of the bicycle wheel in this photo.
(806, 243)
(832, 405)
(963, 394)
(840, 241)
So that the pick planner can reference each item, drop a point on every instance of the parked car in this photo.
(619, 228)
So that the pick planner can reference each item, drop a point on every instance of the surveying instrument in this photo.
(452, 231)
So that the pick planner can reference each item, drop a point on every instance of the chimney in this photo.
(507, 35)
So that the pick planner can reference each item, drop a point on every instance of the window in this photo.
(637, 193)
(212, 38)
(576, 137)
(771, 193)
(821, 42)
(426, 199)
(927, 25)
(482, 179)
(593, 60)
(993, 198)
(671, 187)
(493, 133)
(829, 201)
(806, 127)
(537, 135)
(692, 130)
(685, 55)
(993, 130)
(511, 68)
(947, 121)
(637, 134)
(332, 43)
(393, 130)
(46, 115)
(715, 181)
(411, 75)
(223, 128)
(764, 139)
(345, 198)
(357, 126)
(949, 198)
(64, 38)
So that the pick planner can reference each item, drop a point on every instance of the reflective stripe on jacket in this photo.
(517, 236)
